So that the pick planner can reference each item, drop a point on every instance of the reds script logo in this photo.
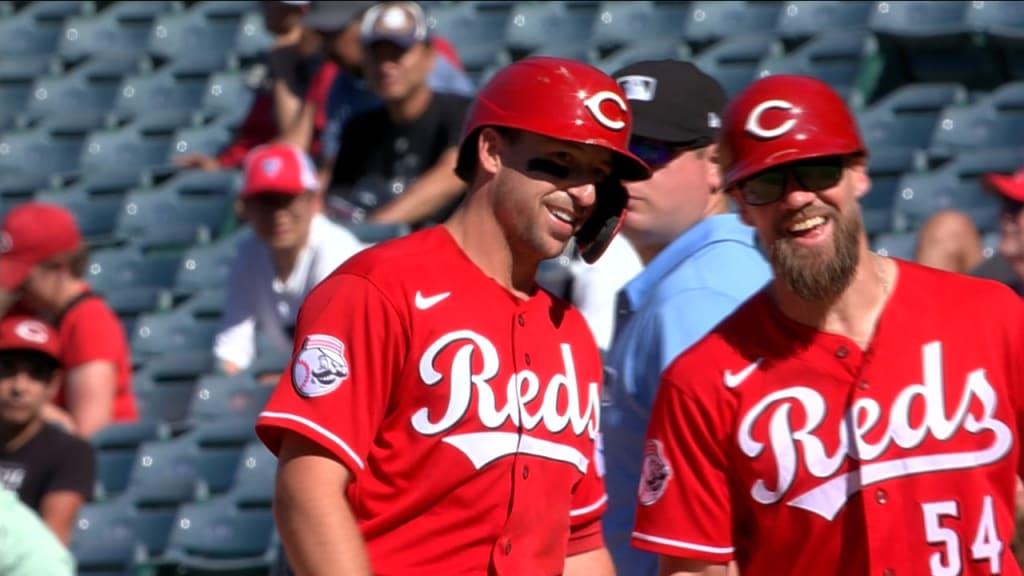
(861, 419)
(523, 391)
(755, 127)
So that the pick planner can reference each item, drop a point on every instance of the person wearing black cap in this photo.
(700, 263)
(404, 152)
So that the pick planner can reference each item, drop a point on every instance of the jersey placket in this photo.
(505, 546)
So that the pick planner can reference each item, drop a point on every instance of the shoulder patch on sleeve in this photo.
(654, 474)
(320, 366)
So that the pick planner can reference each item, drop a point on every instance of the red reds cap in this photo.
(33, 233)
(278, 169)
(1011, 186)
(19, 332)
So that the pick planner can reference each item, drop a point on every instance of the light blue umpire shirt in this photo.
(685, 291)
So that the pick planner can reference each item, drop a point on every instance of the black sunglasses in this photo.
(812, 175)
(657, 154)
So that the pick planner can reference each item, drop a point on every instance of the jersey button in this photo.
(842, 352)
(888, 572)
(526, 472)
(508, 547)
(521, 320)
(881, 496)
(863, 385)
(527, 359)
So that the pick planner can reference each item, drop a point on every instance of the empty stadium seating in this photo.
(98, 98)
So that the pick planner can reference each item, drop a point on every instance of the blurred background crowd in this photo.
(175, 177)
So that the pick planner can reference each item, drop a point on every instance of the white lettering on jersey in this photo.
(754, 126)
(827, 499)
(525, 400)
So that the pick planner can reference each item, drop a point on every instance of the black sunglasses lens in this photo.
(819, 175)
(764, 188)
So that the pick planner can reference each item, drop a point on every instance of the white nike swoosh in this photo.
(734, 380)
(423, 302)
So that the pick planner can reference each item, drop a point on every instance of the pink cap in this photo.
(33, 233)
(278, 169)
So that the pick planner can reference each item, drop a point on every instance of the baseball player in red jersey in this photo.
(860, 415)
(441, 412)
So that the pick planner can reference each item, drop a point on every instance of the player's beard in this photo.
(817, 275)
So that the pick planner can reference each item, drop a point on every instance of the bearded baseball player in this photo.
(441, 412)
(860, 415)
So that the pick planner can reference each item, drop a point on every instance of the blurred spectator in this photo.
(42, 262)
(949, 241)
(295, 69)
(53, 472)
(291, 248)
(700, 263)
(27, 546)
(397, 163)
(1011, 222)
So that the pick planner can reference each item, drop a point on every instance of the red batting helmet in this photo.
(567, 100)
(782, 118)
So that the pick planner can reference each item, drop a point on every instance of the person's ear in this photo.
(489, 144)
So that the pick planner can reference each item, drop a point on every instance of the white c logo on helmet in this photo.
(32, 331)
(754, 120)
(593, 104)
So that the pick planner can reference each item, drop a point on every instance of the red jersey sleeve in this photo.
(1015, 367)
(349, 345)
(589, 502)
(683, 502)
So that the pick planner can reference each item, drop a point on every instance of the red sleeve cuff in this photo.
(271, 426)
(680, 549)
(585, 537)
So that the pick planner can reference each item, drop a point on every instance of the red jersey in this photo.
(91, 331)
(468, 417)
(793, 451)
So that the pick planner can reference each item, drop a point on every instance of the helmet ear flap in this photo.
(593, 238)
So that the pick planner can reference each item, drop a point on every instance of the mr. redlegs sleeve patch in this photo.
(320, 366)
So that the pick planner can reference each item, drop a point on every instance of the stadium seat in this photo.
(181, 470)
(116, 446)
(994, 121)
(990, 243)
(206, 266)
(227, 97)
(208, 139)
(196, 35)
(17, 76)
(128, 302)
(218, 537)
(172, 217)
(117, 267)
(254, 480)
(800, 21)
(477, 31)
(708, 22)
(162, 100)
(252, 40)
(29, 159)
(95, 213)
(734, 61)
(896, 245)
(954, 185)
(622, 23)
(165, 404)
(35, 29)
(662, 48)
(126, 150)
(885, 167)
(79, 99)
(534, 25)
(836, 57)
(374, 232)
(177, 329)
(907, 116)
(111, 533)
(227, 397)
(119, 28)
(929, 41)
(1002, 24)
